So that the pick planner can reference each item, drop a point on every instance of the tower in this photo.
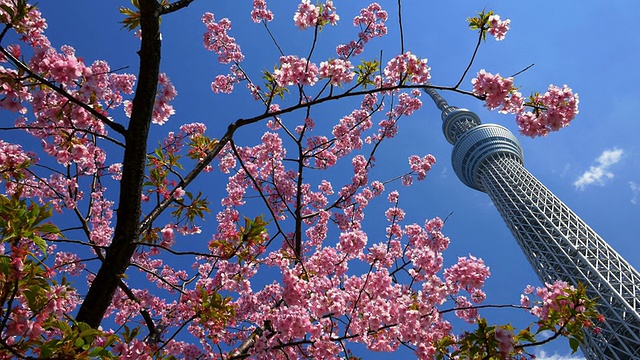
(555, 241)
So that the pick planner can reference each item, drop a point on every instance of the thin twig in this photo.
(473, 57)
(273, 38)
(400, 26)
(523, 70)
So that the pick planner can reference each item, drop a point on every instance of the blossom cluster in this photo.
(162, 110)
(295, 71)
(338, 71)
(551, 111)
(548, 295)
(68, 138)
(308, 15)
(388, 126)
(12, 159)
(406, 67)
(371, 22)
(548, 112)
(505, 341)
(174, 142)
(224, 84)
(260, 12)
(469, 274)
(30, 25)
(13, 93)
(217, 40)
(499, 92)
(421, 165)
(498, 28)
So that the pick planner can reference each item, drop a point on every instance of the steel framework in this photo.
(556, 242)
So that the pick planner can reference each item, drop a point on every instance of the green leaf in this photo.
(574, 344)
(83, 326)
(41, 244)
(132, 19)
(48, 228)
(525, 335)
(96, 351)
(46, 350)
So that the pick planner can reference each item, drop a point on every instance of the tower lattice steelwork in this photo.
(557, 243)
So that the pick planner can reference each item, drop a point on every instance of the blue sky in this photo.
(593, 47)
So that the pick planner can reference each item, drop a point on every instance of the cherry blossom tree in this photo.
(289, 271)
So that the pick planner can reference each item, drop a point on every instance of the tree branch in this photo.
(198, 168)
(112, 124)
(175, 6)
(108, 138)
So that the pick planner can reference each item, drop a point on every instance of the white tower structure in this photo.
(557, 243)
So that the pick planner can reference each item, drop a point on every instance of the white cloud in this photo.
(545, 334)
(542, 355)
(599, 173)
(635, 190)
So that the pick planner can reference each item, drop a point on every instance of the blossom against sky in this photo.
(600, 67)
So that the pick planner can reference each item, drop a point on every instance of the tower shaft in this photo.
(559, 245)
(556, 242)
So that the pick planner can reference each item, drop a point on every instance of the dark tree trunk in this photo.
(129, 211)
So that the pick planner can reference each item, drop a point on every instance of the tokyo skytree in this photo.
(557, 243)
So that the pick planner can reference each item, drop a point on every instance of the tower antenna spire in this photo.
(441, 103)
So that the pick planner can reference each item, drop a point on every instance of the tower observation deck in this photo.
(556, 242)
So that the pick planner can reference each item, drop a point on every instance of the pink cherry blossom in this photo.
(407, 104)
(505, 341)
(12, 157)
(468, 274)
(168, 235)
(498, 28)
(69, 263)
(421, 165)
(307, 15)
(116, 171)
(494, 88)
(162, 110)
(295, 71)
(31, 28)
(548, 295)
(338, 71)
(224, 84)
(371, 22)
(329, 15)
(552, 111)
(260, 12)
(217, 40)
(178, 193)
(465, 310)
(393, 197)
(407, 180)
(408, 67)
